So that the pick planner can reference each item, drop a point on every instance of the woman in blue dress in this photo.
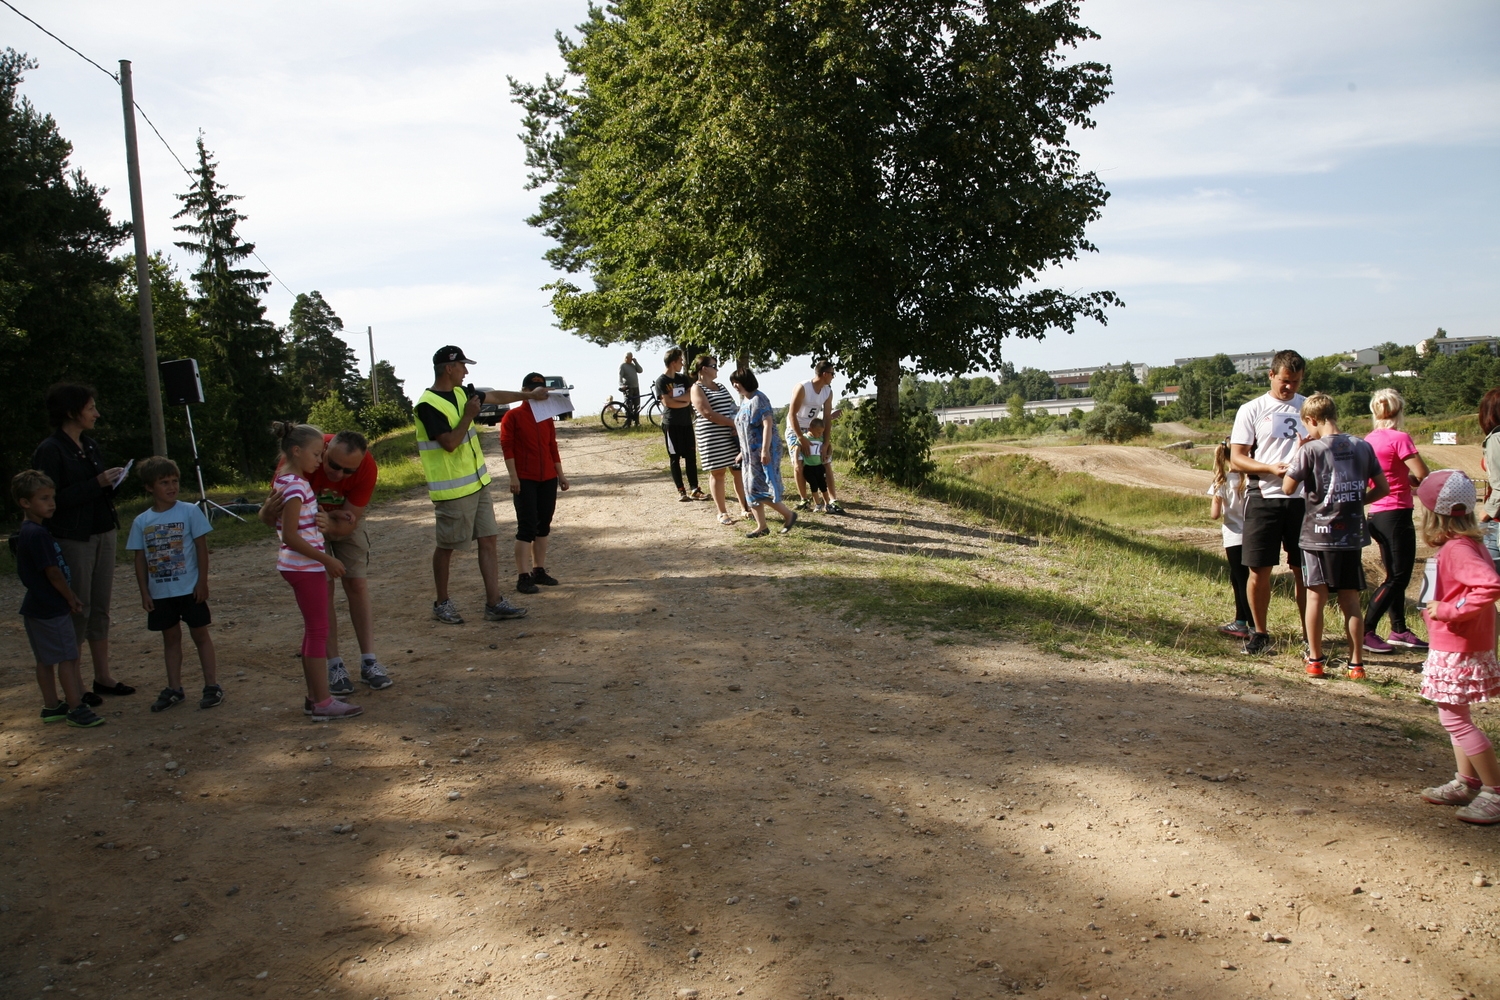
(760, 453)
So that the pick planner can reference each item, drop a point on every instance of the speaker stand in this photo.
(204, 503)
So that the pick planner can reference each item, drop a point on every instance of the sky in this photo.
(1318, 176)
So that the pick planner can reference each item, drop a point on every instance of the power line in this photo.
(165, 145)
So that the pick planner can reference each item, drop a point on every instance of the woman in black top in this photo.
(84, 524)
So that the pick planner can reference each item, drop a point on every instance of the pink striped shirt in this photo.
(294, 487)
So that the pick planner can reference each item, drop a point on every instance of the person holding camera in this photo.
(458, 481)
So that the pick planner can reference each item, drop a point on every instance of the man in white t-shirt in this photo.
(1268, 432)
(813, 401)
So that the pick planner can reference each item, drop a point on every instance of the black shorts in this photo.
(1270, 527)
(168, 611)
(1336, 569)
(535, 505)
(816, 477)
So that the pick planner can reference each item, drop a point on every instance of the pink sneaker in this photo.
(334, 709)
(1485, 808)
(1375, 644)
(1457, 792)
(1407, 640)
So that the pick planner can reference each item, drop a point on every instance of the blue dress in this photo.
(762, 482)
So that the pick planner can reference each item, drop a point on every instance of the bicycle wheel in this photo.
(653, 413)
(613, 416)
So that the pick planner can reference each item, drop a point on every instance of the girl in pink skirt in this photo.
(1461, 668)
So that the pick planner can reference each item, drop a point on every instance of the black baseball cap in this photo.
(533, 380)
(451, 355)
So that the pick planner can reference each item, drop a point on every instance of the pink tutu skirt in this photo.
(1460, 678)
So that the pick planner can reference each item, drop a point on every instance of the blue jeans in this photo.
(1491, 531)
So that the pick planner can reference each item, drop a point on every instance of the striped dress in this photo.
(718, 446)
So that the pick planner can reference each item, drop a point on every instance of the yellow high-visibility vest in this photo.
(456, 473)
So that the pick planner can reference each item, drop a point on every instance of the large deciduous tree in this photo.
(229, 308)
(880, 181)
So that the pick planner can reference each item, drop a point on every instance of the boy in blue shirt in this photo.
(48, 603)
(171, 568)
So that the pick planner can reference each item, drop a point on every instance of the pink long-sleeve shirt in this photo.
(1464, 572)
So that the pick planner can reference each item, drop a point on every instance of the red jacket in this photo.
(531, 445)
(1464, 571)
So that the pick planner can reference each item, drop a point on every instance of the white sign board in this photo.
(1445, 437)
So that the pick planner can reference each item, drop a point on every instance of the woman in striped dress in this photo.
(718, 442)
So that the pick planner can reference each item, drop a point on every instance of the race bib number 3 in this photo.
(1286, 426)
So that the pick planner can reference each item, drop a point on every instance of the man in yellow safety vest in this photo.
(458, 481)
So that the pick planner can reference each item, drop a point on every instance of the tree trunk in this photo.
(887, 396)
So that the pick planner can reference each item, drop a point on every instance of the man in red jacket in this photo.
(536, 473)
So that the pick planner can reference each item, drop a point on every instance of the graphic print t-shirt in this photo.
(1334, 471)
(675, 387)
(167, 540)
(288, 561)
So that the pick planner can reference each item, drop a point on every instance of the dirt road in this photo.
(684, 772)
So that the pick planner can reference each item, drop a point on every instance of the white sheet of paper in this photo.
(555, 404)
(1287, 426)
(124, 472)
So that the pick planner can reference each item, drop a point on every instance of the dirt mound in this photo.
(1115, 463)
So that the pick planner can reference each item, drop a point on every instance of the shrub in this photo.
(1135, 398)
(382, 418)
(330, 415)
(907, 458)
(1113, 422)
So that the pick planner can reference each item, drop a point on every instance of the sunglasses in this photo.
(336, 467)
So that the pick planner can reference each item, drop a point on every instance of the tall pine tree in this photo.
(229, 309)
(319, 361)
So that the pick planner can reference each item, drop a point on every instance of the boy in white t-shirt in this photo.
(170, 543)
(1268, 432)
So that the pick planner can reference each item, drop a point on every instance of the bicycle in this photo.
(613, 414)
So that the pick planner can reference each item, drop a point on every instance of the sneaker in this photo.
(834, 507)
(1406, 640)
(92, 700)
(57, 713)
(502, 610)
(1457, 792)
(698, 494)
(334, 711)
(682, 497)
(83, 717)
(542, 577)
(1375, 644)
(213, 696)
(1315, 666)
(524, 585)
(1356, 671)
(819, 508)
(338, 678)
(447, 612)
(1236, 629)
(1485, 808)
(167, 698)
(803, 504)
(1259, 643)
(373, 674)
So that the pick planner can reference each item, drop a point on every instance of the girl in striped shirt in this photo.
(304, 562)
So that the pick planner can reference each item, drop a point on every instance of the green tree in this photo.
(331, 415)
(59, 316)
(874, 181)
(319, 362)
(1106, 380)
(229, 309)
(392, 389)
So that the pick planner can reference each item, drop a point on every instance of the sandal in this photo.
(759, 533)
(725, 519)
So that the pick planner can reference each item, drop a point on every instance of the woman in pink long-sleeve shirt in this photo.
(1461, 668)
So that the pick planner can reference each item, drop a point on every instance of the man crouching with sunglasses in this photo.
(344, 484)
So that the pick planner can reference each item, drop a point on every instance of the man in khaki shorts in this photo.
(344, 484)
(459, 482)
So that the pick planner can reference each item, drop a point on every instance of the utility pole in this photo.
(142, 267)
(374, 382)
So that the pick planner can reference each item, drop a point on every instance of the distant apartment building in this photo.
(1457, 345)
(1246, 364)
(1053, 407)
(1078, 378)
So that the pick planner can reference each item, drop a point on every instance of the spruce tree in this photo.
(319, 361)
(229, 309)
